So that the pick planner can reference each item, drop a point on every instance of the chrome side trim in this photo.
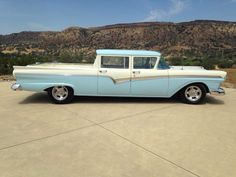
(194, 76)
(220, 91)
(16, 86)
(121, 80)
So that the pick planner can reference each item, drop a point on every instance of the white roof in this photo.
(127, 52)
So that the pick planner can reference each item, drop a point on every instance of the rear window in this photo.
(114, 62)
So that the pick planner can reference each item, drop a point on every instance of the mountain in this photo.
(197, 38)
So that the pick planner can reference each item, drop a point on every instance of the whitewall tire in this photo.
(61, 94)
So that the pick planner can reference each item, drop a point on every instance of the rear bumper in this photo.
(220, 91)
(16, 87)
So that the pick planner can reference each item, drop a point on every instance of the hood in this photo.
(187, 67)
(197, 73)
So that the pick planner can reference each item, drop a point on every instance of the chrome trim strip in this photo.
(121, 80)
(193, 76)
(156, 77)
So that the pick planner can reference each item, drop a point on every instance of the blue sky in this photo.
(44, 15)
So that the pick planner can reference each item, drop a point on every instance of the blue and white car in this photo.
(121, 73)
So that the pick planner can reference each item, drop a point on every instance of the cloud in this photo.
(177, 6)
(233, 0)
(155, 15)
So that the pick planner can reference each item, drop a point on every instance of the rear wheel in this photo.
(61, 94)
(193, 94)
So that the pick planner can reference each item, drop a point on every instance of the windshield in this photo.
(162, 64)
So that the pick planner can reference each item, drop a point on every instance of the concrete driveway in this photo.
(116, 137)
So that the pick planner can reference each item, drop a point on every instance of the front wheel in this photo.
(61, 94)
(193, 94)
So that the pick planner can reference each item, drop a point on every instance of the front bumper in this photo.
(220, 91)
(16, 87)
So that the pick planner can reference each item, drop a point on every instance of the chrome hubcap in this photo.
(193, 93)
(60, 93)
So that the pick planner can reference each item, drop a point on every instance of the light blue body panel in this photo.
(82, 85)
(157, 87)
(88, 85)
(107, 87)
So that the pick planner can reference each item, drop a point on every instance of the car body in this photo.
(123, 73)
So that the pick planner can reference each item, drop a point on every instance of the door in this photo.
(114, 76)
(147, 80)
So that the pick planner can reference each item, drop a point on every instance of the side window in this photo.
(162, 64)
(114, 62)
(144, 62)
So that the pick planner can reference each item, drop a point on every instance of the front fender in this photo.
(176, 84)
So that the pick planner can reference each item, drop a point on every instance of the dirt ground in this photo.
(104, 137)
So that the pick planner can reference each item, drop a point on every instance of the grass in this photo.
(6, 78)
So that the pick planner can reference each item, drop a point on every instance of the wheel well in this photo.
(47, 89)
(206, 87)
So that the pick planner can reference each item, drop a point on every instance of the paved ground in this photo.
(116, 137)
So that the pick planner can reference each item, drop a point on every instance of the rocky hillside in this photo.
(197, 38)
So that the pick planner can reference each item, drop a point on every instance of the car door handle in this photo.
(136, 72)
(103, 71)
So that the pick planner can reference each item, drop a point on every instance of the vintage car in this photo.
(121, 73)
